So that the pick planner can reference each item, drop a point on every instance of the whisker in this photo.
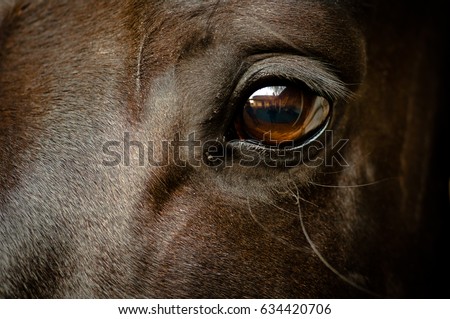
(323, 260)
(336, 172)
(296, 202)
(351, 186)
(277, 238)
(283, 210)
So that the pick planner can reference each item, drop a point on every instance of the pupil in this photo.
(273, 114)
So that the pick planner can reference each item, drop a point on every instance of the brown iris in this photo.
(276, 114)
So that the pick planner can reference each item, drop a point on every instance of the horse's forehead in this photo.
(326, 31)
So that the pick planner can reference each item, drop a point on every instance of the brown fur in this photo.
(76, 74)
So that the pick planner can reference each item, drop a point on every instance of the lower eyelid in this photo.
(248, 154)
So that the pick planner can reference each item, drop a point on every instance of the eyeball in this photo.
(275, 115)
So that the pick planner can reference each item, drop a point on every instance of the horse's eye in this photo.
(274, 115)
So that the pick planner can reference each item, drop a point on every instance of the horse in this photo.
(135, 164)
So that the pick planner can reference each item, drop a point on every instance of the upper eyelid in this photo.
(314, 74)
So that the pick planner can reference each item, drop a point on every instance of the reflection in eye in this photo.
(276, 114)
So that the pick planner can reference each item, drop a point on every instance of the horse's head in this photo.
(221, 149)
